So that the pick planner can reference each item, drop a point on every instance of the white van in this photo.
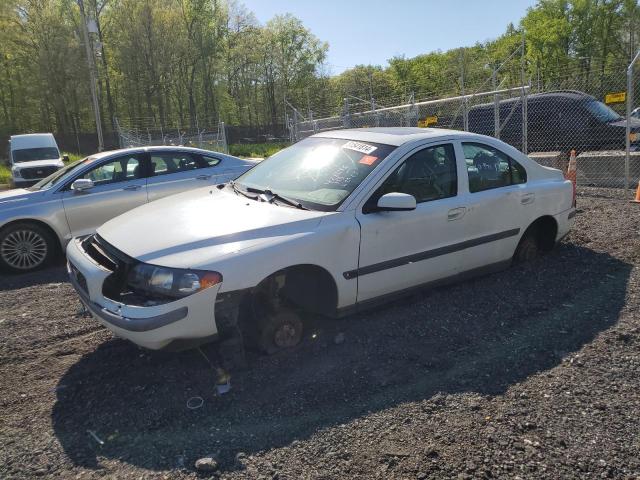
(32, 157)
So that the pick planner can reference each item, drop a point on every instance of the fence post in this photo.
(524, 99)
(375, 113)
(413, 112)
(346, 120)
(496, 111)
(295, 125)
(627, 155)
(120, 142)
(223, 132)
(465, 111)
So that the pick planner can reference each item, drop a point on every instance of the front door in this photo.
(403, 249)
(119, 186)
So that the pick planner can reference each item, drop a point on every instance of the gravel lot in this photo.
(531, 373)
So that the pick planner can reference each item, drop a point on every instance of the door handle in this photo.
(203, 177)
(132, 187)
(527, 198)
(456, 213)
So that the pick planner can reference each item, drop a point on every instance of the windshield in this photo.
(60, 176)
(601, 111)
(33, 154)
(319, 173)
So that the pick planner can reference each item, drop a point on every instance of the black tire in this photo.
(26, 247)
(528, 248)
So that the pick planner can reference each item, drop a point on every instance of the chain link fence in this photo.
(144, 132)
(585, 112)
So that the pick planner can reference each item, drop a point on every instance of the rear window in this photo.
(33, 154)
(601, 111)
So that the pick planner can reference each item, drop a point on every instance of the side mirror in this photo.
(392, 202)
(81, 185)
(65, 158)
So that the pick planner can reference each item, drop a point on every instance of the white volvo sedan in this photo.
(337, 222)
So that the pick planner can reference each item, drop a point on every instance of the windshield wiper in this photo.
(276, 196)
(237, 190)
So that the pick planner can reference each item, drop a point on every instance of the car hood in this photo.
(39, 163)
(195, 228)
(634, 123)
(17, 196)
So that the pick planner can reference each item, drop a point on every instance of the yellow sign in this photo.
(615, 97)
(428, 121)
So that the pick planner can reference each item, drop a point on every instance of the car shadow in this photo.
(56, 273)
(480, 336)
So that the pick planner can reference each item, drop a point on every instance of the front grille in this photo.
(98, 253)
(112, 259)
(33, 173)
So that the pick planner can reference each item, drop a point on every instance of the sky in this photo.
(373, 31)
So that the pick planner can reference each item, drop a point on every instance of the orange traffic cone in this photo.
(572, 173)
(637, 199)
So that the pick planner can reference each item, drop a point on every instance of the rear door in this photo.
(173, 172)
(500, 204)
(119, 186)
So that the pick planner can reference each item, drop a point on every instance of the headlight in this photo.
(633, 137)
(16, 172)
(170, 283)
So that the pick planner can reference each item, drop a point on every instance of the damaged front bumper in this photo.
(191, 318)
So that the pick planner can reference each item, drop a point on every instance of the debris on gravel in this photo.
(533, 372)
(206, 464)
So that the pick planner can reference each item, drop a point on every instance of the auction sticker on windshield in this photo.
(359, 147)
(368, 160)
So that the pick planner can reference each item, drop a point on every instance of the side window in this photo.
(174, 162)
(119, 170)
(210, 161)
(488, 168)
(429, 174)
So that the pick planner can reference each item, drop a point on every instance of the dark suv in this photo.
(558, 121)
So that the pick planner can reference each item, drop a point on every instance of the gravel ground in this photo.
(530, 373)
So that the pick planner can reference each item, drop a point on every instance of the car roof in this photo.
(540, 97)
(393, 135)
(32, 140)
(154, 148)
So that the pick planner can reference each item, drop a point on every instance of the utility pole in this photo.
(92, 75)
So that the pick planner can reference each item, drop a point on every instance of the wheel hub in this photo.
(286, 336)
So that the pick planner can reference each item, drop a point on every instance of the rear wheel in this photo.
(528, 248)
(25, 247)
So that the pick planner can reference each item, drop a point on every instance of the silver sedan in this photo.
(36, 223)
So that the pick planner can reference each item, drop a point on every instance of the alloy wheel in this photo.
(23, 249)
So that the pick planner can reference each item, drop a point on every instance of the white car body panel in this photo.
(368, 255)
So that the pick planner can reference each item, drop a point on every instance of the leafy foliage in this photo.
(256, 150)
(188, 63)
